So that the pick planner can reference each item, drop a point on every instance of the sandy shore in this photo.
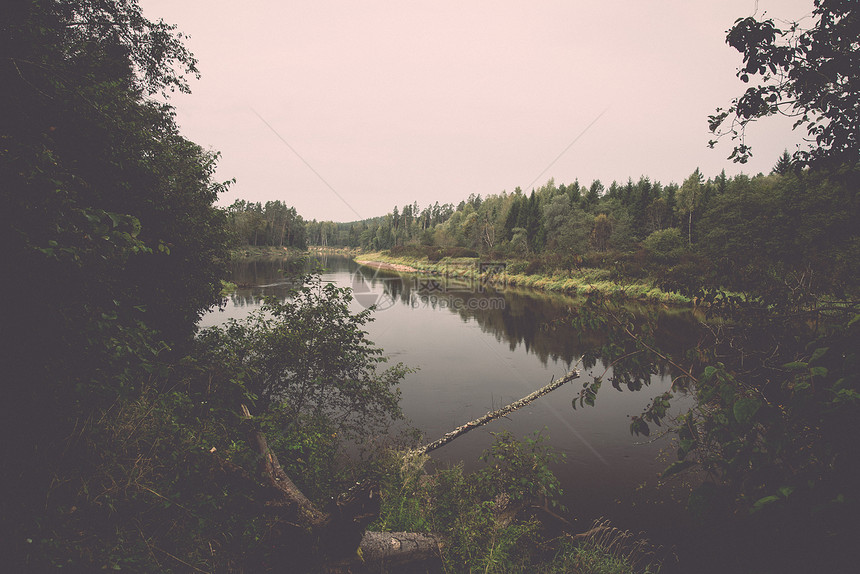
(392, 266)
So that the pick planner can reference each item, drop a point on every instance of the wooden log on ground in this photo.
(272, 472)
(391, 552)
(331, 541)
(496, 414)
(397, 548)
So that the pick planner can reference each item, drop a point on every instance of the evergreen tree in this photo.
(783, 165)
(593, 196)
(511, 218)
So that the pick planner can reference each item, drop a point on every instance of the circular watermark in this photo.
(371, 290)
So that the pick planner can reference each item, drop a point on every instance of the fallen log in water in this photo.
(496, 414)
(336, 540)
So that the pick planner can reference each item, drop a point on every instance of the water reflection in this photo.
(535, 321)
(476, 348)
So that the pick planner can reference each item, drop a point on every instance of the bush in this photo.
(602, 259)
(687, 276)
(472, 510)
(411, 250)
(517, 267)
(534, 266)
(664, 245)
(460, 252)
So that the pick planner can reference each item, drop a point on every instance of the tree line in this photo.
(788, 218)
(273, 223)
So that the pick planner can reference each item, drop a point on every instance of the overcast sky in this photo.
(346, 109)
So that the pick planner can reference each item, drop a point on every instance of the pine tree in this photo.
(784, 165)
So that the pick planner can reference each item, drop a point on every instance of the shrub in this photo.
(534, 266)
(664, 245)
(460, 252)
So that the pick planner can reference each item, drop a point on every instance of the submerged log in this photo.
(496, 414)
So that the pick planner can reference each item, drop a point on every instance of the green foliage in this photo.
(664, 245)
(605, 550)
(519, 469)
(770, 437)
(144, 493)
(781, 236)
(783, 165)
(788, 440)
(601, 232)
(767, 236)
(806, 73)
(309, 356)
(110, 230)
(160, 479)
(484, 515)
(272, 224)
(405, 494)
(98, 180)
(567, 227)
(127, 449)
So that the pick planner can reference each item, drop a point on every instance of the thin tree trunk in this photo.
(690, 229)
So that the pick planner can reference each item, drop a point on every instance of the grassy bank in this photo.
(581, 281)
(324, 250)
(254, 251)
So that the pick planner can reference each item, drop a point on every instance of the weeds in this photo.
(489, 519)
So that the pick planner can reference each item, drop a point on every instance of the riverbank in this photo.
(583, 281)
(324, 250)
(399, 267)
(259, 251)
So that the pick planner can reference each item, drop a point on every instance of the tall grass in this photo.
(581, 281)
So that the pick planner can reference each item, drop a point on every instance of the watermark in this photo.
(370, 290)
(496, 303)
(473, 289)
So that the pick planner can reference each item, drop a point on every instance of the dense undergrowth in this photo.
(501, 517)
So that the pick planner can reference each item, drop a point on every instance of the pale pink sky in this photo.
(394, 102)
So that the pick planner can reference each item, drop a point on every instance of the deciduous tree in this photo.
(809, 73)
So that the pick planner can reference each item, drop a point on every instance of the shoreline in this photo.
(400, 268)
(569, 282)
(572, 282)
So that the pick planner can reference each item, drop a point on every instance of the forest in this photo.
(135, 441)
(274, 224)
(758, 225)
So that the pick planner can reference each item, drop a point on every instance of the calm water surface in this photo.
(477, 351)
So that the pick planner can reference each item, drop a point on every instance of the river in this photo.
(475, 350)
